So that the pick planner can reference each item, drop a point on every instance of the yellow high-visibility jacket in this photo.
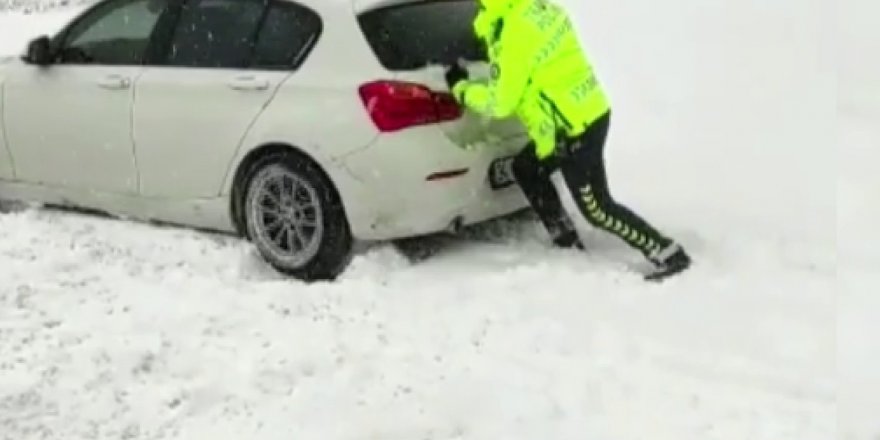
(539, 72)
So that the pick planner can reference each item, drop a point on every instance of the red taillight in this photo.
(395, 105)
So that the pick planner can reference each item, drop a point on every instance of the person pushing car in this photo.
(540, 74)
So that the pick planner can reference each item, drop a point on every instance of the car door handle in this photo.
(114, 82)
(248, 83)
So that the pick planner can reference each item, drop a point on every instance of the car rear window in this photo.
(413, 35)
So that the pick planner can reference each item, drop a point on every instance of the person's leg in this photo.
(533, 178)
(584, 171)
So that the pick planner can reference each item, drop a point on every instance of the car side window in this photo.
(115, 33)
(288, 33)
(215, 33)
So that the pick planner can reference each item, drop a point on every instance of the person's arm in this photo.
(510, 76)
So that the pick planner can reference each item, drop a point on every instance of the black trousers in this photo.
(581, 163)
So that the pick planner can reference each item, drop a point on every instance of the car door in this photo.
(69, 123)
(222, 66)
(5, 157)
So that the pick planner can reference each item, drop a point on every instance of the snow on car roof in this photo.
(364, 5)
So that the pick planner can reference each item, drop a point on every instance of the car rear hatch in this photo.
(414, 40)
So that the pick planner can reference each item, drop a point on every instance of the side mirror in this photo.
(39, 52)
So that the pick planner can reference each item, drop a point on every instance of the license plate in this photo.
(501, 173)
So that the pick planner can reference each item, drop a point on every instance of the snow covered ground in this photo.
(724, 135)
(858, 185)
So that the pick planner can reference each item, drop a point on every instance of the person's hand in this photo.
(454, 74)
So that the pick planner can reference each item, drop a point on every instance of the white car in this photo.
(303, 126)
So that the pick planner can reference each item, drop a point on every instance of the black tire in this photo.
(322, 258)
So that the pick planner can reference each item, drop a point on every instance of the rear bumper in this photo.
(388, 195)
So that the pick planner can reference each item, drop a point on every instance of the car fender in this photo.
(344, 127)
(287, 121)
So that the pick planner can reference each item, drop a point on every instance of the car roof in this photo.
(359, 6)
(367, 5)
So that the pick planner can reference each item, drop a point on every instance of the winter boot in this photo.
(567, 240)
(670, 261)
